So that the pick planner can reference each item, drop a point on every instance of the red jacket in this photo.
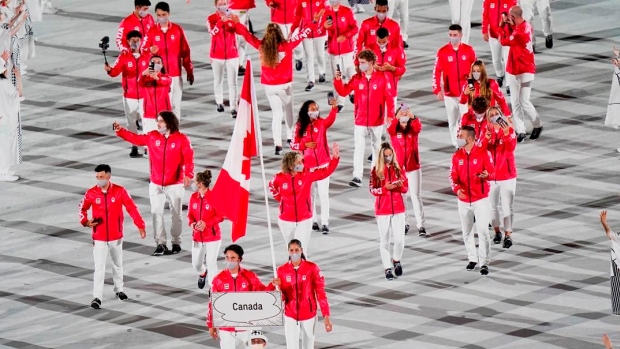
(406, 144)
(283, 11)
(481, 127)
(395, 56)
(320, 155)
(502, 149)
(492, 15)
(368, 32)
(173, 48)
(497, 97)
(388, 202)
(131, 68)
(303, 290)
(241, 4)
(171, 159)
(199, 209)
(295, 193)
(343, 23)
(282, 73)
(109, 207)
(454, 74)
(371, 97)
(464, 170)
(521, 53)
(304, 15)
(223, 37)
(132, 22)
(246, 281)
(155, 94)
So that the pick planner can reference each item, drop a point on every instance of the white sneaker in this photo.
(359, 8)
(8, 178)
(22, 98)
(618, 150)
(23, 71)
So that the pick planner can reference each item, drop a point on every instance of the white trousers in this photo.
(403, 9)
(300, 231)
(206, 252)
(234, 340)
(522, 107)
(415, 188)
(499, 54)
(176, 94)
(312, 47)
(286, 30)
(281, 102)
(347, 68)
(391, 229)
(133, 112)
(504, 192)
(480, 210)
(232, 69)
(544, 10)
(101, 249)
(359, 134)
(461, 14)
(320, 192)
(244, 17)
(148, 125)
(293, 329)
(455, 111)
(158, 196)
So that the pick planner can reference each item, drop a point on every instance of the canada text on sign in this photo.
(247, 309)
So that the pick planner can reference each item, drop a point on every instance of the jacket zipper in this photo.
(468, 180)
(107, 222)
(337, 31)
(316, 158)
(294, 197)
(166, 43)
(225, 53)
(200, 217)
(391, 192)
(137, 76)
(297, 294)
(163, 170)
(458, 71)
(367, 102)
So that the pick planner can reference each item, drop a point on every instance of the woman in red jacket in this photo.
(204, 221)
(388, 183)
(292, 188)
(404, 130)
(303, 290)
(480, 85)
(156, 86)
(311, 141)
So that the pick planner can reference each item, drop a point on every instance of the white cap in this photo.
(256, 334)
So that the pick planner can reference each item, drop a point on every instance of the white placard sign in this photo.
(247, 309)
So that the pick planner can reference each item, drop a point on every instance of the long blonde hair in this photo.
(288, 161)
(485, 85)
(380, 163)
(269, 55)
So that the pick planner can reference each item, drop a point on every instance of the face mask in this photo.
(257, 346)
(364, 67)
(313, 115)
(388, 159)
(295, 257)
(231, 265)
(157, 67)
(299, 168)
(455, 40)
(334, 2)
(143, 13)
(194, 187)
(404, 119)
(162, 20)
(476, 75)
(134, 45)
(383, 47)
(222, 9)
(479, 117)
(102, 183)
(460, 142)
(162, 130)
(381, 16)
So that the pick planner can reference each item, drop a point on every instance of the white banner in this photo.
(247, 309)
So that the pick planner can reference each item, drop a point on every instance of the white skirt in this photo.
(613, 108)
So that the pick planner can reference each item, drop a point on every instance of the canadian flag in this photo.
(231, 191)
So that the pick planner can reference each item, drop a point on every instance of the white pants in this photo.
(176, 94)
(234, 340)
(244, 17)
(359, 134)
(148, 125)
(520, 91)
(158, 196)
(504, 192)
(544, 10)
(415, 188)
(232, 69)
(499, 54)
(293, 329)
(133, 112)
(286, 30)
(100, 255)
(347, 68)
(394, 224)
(455, 111)
(320, 192)
(461, 14)
(280, 98)
(403, 9)
(480, 210)
(300, 231)
(312, 47)
(206, 251)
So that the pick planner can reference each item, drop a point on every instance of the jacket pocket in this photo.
(446, 84)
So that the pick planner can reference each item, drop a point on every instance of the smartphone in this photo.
(404, 106)
(498, 119)
(470, 83)
(329, 17)
(396, 182)
(152, 66)
(98, 220)
(330, 96)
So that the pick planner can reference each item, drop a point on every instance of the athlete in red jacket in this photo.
(368, 30)
(476, 118)
(391, 59)
(155, 85)
(283, 14)
(171, 160)
(492, 11)
(106, 201)
(140, 19)
(483, 86)
(314, 44)
(471, 169)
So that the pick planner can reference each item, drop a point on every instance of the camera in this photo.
(104, 44)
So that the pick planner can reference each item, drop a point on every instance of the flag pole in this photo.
(259, 142)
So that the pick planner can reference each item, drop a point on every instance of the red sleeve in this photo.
(297, 144)
(510, 140)
(403, 178)
(118, 67)
(186, 54)
(188, 157)
(83, 209)
(344, 89)
(190, 212)
(513, 38)
(146, 40)
(319, 289)
(331, 118)
(297, 17)
(164, 80)
(274, 188)
(437, 71)
(499, 98)
(464, 96)
(255, 282)
(133, 211)
(353, 29)
(488, 165)
(361, 38)
(391, 129)
(375, 186)
(301, 35)
(400, 63)
(389, 97)
(251, 39)
(322, 173)
(120, 38)
(485, 17)
(454, 176)
(135, 139)
(213, 25)
(416, 126)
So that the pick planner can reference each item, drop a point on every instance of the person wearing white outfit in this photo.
(403, 18)
(460, 11)
(10, 123)
(492, 12)
(544, 10)
(613, 107)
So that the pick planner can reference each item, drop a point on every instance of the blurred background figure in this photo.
(613, 108)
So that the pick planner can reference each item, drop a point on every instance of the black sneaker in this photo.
(534, 49)
(139, 124)
(135, 153)
(536, 132)
(325, 229)
(369, 159)
(398, 269)
(508, 91)
(484, 270)
(321, 78)
(220, 108)
(96, 303)
(406, 229)
(202, 281)
(422, 232)
(355, 182)
(500, 81)
(121, 296)
(521, 137)
(507, 242)
(498, 238)
(176, 248)
(549, 41)
(250, 27)
(340, 107)
(278, 150)
(298, 64)
(160, 250)
(405, 45)
(315, 226)
(388, 274)
(352, 98)
(310, 86)
(471, 266)
(233, 113)
(241, 71)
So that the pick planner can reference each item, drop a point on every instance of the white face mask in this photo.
(381, 16)
(295, 257)
(257, 346)
(460, 142)
(231, 265)
(455, 40)
(404, 119)
(299, 168)
(388, 159)
(479, 117)
(102, 183)
(383, 47)
(364, 67)
(313, 115)
(334, 2)
(134, 45)
(194, 187)
(162, 130)
(162, 20)
(476, 75)
(157, 67)
(143, 13)
(222, 9)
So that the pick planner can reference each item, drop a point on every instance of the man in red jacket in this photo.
(492, 12)
(172, 169)
(452, 67)
(472, 168)
(373, 100)
(391, 59)
(131, 65)
(515, 33)
(140, 19)
(368, 29)
(107, 201)
(283, 14)
(167, 39)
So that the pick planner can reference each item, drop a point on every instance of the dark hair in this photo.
(204, 177)
(163, 69)
(480, 104)
(103, 168)
(236, 249)
(140, 3)
(133, 34)
(171, 120)
(367, 55)
(303, 119)
(381, 3)
(162, 6)
(471, 132)
(456, 27)
(298, 243)
(383, 32)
